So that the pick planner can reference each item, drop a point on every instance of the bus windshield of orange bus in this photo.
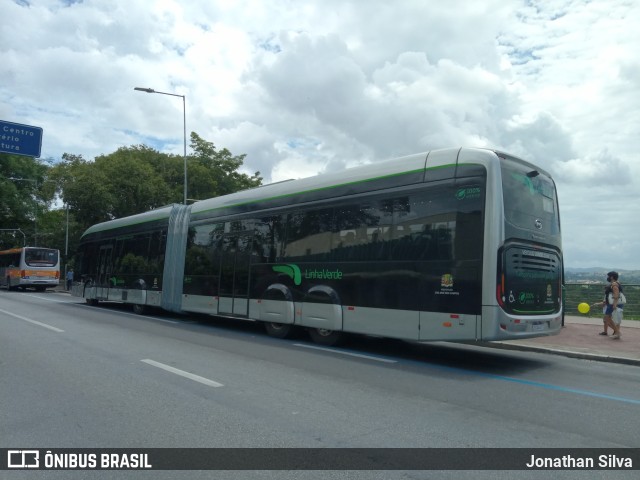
(41, 257)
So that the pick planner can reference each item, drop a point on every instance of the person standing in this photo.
(613, 305)
(69, 279)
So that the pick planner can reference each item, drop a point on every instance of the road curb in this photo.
(566, 353)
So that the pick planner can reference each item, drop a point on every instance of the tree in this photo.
(135, 179)
(25, 193)
(84, 188)
(215, 172)
(131, 180)
(128, 181)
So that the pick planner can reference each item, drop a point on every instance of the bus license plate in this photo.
(536, 327)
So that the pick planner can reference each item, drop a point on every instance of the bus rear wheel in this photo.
(328, 338)
(139, 309)
(279, 330)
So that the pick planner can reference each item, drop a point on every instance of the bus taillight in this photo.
(23, 274)
(500, 291)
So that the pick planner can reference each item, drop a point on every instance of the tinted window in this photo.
(202, 260)
(529, 198)
(423, 226)
(309, 234)
(268, 237)
(416, 226)
(358, 232)
(41, 257)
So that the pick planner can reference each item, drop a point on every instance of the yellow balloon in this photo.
(583, 308)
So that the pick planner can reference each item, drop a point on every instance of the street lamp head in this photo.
(184, 125)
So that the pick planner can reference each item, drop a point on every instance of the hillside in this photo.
(599, 275)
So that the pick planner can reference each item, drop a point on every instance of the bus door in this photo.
(104, 271)
(234, 274)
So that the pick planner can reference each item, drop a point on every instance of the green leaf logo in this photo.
(291, 270)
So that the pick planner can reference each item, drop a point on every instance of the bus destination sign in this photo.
(20, 139)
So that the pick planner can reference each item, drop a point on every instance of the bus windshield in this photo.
(529, 198)
(531, 273)
(41, 257)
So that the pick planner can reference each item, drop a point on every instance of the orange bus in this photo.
(29, 267)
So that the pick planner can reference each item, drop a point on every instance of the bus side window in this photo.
(268, 237)
(309, 234)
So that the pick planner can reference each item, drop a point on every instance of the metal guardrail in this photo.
(576, 293)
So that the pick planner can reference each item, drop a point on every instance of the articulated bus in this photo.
(454, 245)
(30, 267)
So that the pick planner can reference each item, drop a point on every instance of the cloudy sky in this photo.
(303, 87)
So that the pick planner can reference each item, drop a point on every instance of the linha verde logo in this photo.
(468, 193)
(526, 298)
(293, 271)
(323, 274)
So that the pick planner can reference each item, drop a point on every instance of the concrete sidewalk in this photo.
(579, 338)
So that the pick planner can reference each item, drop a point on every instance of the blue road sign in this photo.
(20, 139)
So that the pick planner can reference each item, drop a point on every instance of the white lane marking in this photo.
(182, 373)
(35, 322)
(341, 352)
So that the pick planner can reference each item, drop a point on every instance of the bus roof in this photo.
(415, 163)
(150, 216)
(350, 176)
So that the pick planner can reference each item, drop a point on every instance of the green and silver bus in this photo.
(454, 245)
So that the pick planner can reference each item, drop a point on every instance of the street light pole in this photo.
(184, 125)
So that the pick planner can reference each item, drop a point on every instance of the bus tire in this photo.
(328, 338)
(279, 330)
(139, 309)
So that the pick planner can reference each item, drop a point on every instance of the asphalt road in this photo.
(72, 375)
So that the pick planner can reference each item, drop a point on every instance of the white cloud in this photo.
(304, 87)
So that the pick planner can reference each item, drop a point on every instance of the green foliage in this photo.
(133, 264)
(216, 172)
(130, 180)
(25, 191)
